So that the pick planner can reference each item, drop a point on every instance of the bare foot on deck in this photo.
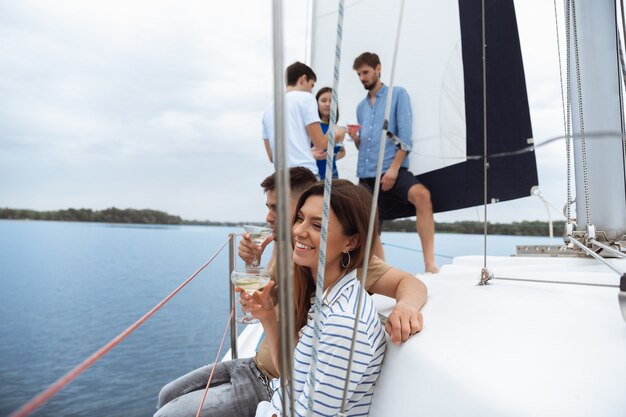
(431, 269)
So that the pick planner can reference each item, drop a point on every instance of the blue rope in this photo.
(321, 266)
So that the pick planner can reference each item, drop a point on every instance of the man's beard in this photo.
(369, 86)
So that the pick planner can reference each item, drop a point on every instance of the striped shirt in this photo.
(336, 327)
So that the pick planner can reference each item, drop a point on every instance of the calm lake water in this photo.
(66, 289)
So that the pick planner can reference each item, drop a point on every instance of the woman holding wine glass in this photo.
(345, 247)
(323, 97)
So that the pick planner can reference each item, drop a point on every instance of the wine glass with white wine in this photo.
(250, 280)
(258, 235)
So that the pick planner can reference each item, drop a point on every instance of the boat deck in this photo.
(511, 348)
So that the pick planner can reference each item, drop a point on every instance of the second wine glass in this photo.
(258, 235)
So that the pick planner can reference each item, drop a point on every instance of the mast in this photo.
(309, 51)
(599, 160)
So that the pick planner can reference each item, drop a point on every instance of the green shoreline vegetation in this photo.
(147, 216)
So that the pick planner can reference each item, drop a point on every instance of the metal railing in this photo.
(233, 322)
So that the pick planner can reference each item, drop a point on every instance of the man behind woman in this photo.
(345, 251)
(240, 384)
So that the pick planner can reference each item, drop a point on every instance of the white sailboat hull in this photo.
(511, 348)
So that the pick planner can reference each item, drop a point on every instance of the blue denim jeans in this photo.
(236, 389)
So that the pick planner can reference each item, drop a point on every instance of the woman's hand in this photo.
(259, 304)
(340, 134)
(320, 155)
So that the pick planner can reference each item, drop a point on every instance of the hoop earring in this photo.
(347, 263)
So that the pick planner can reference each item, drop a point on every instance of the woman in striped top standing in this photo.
(345, 249)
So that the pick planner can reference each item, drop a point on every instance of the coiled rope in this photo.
(57, 386)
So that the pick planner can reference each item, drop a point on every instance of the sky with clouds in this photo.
(158, 105)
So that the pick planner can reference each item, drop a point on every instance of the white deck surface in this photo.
(511, 348)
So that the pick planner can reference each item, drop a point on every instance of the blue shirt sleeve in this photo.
(404, 116)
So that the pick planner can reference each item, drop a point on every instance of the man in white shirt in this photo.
(302, 122)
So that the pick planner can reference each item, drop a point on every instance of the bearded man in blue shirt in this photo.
(397, 182)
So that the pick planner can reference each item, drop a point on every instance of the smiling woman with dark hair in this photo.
(345, 250)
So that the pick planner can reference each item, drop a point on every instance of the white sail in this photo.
(429, 66)
(440, 63)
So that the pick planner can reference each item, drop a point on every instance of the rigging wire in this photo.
(545, 281)
(555, 209)
(581, 120)
(485, 161)
(568, 131)
(571, 24)
(59, 384)
(620, 76)
(414, 250)
(608, 248)
(623, 75)
(373, 217)
(530, 148)
(566, 113)
(590, 252)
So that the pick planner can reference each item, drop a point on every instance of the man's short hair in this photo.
(300, 179)
(297, 70)
(366, 58)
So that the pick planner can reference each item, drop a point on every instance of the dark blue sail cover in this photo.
(508, 118)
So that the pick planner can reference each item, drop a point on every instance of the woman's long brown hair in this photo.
(351, 204)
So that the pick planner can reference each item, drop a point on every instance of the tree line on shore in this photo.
(147, 216)
(110, 215)
(523, 228)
